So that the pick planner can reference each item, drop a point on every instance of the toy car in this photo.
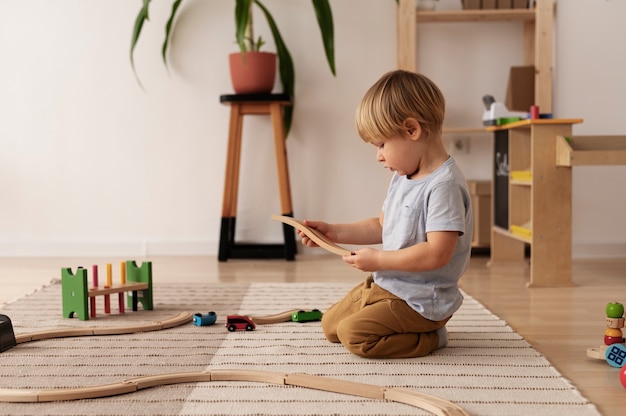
(304, 316)
(204, 320)
(239, 323)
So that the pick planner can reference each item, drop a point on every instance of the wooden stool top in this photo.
(256, 98)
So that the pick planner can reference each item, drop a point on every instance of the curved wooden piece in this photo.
(273, 319)
(176, 320)
(319, 238)
(426, 402)
(413, 398)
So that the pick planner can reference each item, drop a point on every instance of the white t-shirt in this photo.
(413, 208)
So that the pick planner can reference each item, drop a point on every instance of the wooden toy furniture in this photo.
(532, 200)
(240, 106)
(532, 189)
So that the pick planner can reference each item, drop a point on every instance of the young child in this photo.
(425, 229)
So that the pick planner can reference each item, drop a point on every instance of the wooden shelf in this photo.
(533, 200)
(481, 15)
(464, 130)
(590, 150)
(507, 233)
(531, 122)
(537, 37)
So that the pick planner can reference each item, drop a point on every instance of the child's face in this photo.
(398, 154)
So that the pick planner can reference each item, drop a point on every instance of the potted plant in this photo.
(244, 37)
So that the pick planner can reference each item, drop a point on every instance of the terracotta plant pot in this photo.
(254, 73)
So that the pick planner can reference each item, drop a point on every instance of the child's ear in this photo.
(413, 128)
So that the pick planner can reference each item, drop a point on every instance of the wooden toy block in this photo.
(143, 274)
(319, 238)
(170, 378)
(613, 332)
(7, 336)
(74, 291)
(597, 352)
(615, 322)
(334, 385)
(248, 375)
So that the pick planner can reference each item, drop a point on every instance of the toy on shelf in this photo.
(135, 281)
(206, 319)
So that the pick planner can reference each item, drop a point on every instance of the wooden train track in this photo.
(413, 398)
(176, 320)
(319, 238)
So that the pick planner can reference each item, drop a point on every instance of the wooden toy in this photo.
(174, 321)
(614, 322)
(433, 404)
(305, 316)
(135, 281)
(239, 323)
(285, 316)
(319, 238)
(430, 403)
(616, 355)
(622, 376)
(204, 319)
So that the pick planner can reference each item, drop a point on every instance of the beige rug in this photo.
(487, 368)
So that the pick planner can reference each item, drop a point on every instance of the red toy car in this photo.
(239, 323)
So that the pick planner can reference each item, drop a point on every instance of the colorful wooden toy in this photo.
(204, 319)
(135, 281)
(305, 316)
(239, 323)
(622, 376)
(616, 355)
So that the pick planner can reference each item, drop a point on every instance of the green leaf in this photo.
(168, 29)
(325, 22)
(285, 65)
(242, 19)
(142, 17)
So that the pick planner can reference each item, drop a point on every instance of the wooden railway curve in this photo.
(433, 404)
(319, 238)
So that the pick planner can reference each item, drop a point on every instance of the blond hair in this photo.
(396, 96)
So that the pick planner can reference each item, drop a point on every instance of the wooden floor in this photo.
(561, 322)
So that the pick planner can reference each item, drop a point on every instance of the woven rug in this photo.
(486, 368)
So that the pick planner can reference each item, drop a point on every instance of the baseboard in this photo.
(107, 249)
(599, 251)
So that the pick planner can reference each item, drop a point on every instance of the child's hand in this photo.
(366, 259)
(320, 226)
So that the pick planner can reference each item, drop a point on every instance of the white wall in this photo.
(92, 165)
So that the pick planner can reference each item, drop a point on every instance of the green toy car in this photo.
(305, 316)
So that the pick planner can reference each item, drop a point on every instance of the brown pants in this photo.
(371, 322)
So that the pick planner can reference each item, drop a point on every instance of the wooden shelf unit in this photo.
(540, 206)
(537, 36)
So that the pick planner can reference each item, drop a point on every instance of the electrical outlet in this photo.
(460, 145)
